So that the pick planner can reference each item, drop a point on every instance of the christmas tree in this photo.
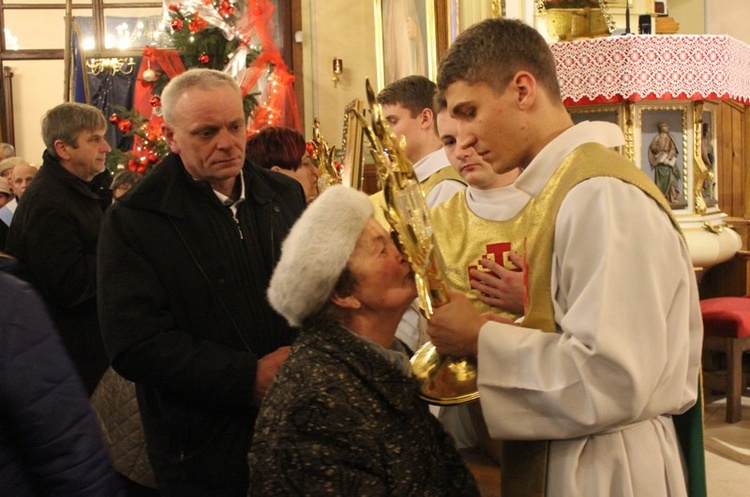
(235, 37)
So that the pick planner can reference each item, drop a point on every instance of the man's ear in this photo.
(525, 84)
(346, 301)
(276, 168)
(426, 118)
(168, 133)
(61, 149)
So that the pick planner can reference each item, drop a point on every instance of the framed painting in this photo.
(454, 16)
(352, 146)
(664, 149)
(611, 113)
(405, 39)
(447, 24)
(453, 26)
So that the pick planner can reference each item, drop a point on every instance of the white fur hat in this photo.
(316, 251)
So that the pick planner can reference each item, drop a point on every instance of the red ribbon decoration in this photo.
(275, 108)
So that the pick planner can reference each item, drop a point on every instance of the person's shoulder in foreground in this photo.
(49, 440)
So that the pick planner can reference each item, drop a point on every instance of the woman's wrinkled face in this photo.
(384, 277)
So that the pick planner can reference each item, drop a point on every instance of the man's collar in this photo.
(430, 164)
(228, 202)
(546, 162)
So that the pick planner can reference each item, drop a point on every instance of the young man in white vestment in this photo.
(474, 229)
(586, 391)
(478, 248)
(407, 108)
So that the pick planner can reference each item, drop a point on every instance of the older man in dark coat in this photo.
(55, 230)
(185, 257)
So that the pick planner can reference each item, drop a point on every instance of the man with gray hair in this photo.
(185, 258)
(6, 168)
(55, 230)
(23, 174)
(16, 188)
(7, 150)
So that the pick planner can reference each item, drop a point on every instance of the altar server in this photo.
(587, 391)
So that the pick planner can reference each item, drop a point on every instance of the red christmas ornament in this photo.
(152, 157)
(226, 9)
(132, 165)
(197, 24)
(177, 24)
(174, 7)
(155, 101)
(310, 149)
(140, 169)
(151, 137)
(114, 119)
(204, 58)
(125, 125)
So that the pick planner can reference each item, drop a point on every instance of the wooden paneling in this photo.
(732, 278)
(728, 279)
(732, 163)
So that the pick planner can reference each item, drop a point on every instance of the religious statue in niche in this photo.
(709, 159)
(662, 155)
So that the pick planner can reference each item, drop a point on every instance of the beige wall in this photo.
(729, 17)
(690, 14)
(343, 30)
(37, 84)
(37, 87)
(712, 17)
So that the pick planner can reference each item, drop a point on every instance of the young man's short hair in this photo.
(415, 93)
(493, 51)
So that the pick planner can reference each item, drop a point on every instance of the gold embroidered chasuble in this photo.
(525, 462)
(465, 238)
(378, 198)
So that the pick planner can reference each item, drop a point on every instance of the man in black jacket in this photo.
(55, 230)
(185, 258)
